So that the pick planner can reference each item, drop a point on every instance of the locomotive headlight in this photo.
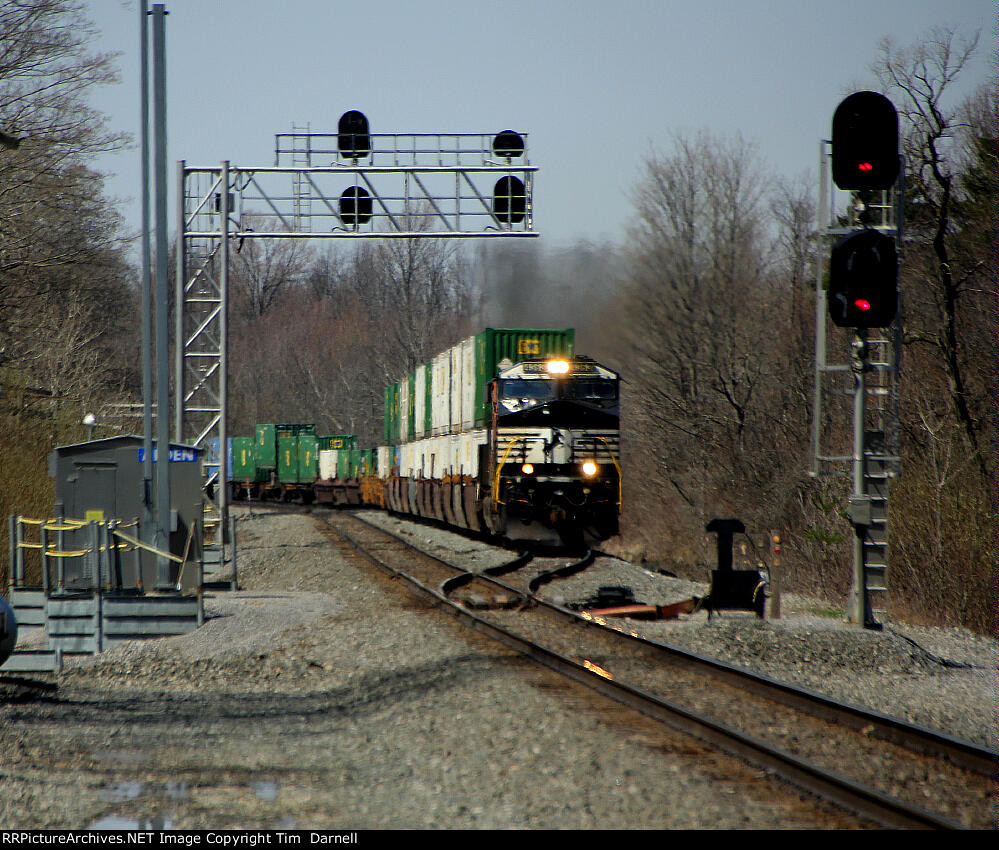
(557, 367)
(527, 469)
(589, 469)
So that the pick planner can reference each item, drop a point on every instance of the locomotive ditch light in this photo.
(527, 469)
(589, 468)
(557, 367)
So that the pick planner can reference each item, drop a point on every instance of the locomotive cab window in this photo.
(516, 394)
(590, 390)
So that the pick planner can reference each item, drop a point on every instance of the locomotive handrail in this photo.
(515, 440)
(617, 466)
(496, 483)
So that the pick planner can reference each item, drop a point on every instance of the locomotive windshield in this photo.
(590, 390)
(519, 394)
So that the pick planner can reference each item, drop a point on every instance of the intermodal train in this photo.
(509, 433)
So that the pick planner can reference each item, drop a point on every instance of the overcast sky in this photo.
(596, 84)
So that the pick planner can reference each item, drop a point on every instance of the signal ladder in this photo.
(301, 159)
(880, 454)
(880, 463)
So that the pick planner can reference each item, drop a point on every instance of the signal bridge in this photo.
(352, 184)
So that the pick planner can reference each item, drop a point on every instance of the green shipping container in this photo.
(266, 447)
(411, 413)
(348, 463)
(287, 451)
(516, 344)
(391, 431)
(337, 441)
(244, 465)
(294, 430)
(308, 458)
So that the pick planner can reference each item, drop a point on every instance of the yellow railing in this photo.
(109, 538)
(617, 466)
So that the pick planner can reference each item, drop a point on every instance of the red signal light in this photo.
(862, 304)
(865, 142)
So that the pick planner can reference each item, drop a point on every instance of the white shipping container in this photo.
(468, 452)
(420, 402)
(327, 464)
(430, 449)
(384, 461)
(440, 394)
(450, 452)
(468, 384)
(454, 423)
(403, 410)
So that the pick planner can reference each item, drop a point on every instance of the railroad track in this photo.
(895, 774)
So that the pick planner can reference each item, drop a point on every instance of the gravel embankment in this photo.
(320, 696)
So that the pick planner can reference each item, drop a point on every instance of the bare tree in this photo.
(921, 78)
(47, 194)
(944, 506)
(793, 207)
(716, 311)
(321, 338)
(697, 274)
(262, 269)
(65, 291)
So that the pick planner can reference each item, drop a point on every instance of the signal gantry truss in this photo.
(322, 186)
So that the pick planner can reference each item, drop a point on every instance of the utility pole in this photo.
(162, 300)
(148, 532)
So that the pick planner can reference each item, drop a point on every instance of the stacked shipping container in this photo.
(448, 395)
(437, 415)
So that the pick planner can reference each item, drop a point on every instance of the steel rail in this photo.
(449, 586)
(920, 739)
(561, 572)
(865, 802)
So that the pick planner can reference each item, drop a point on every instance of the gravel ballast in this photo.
(942, 678)
(319, 695)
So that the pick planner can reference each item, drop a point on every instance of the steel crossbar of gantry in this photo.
(418, 186)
